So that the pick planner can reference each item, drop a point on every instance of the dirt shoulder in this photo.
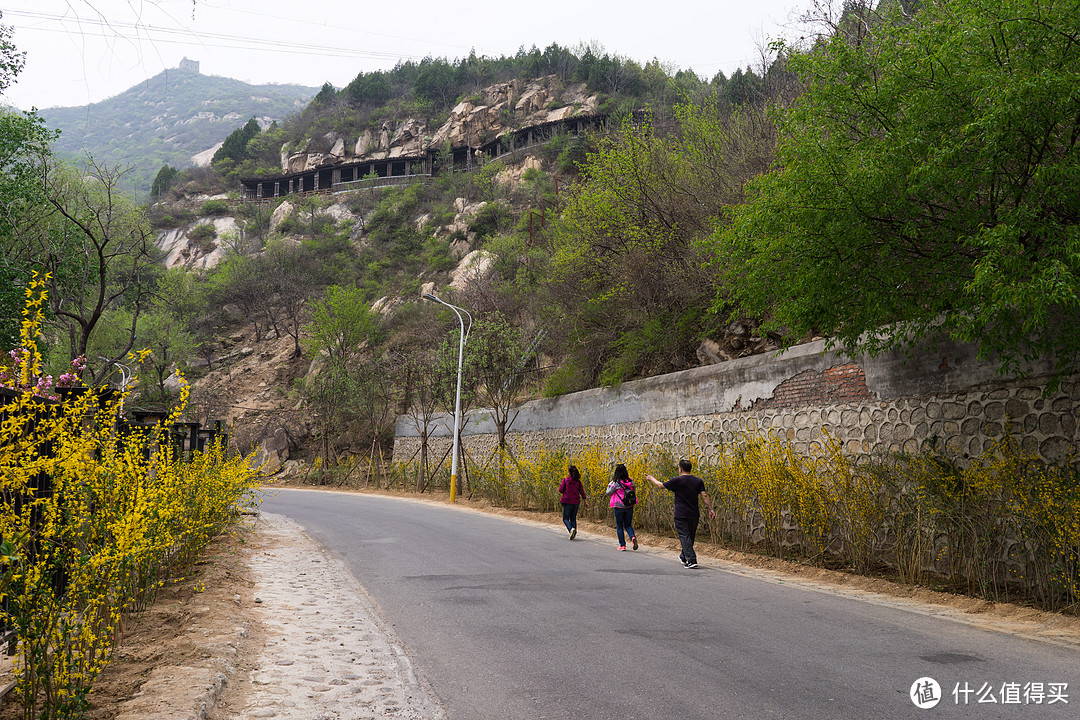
(269, 624)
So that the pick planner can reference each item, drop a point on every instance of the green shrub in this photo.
(214, 208)
(203, 232)
(437, 256)
(572, 155)
(564, 380)
(176, 217)
(491, 218)
(288, 226)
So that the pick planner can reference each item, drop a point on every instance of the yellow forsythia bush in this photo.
(998, 526)
(92, 520)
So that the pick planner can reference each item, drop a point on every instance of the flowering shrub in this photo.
(92, 520)
(1004, 525)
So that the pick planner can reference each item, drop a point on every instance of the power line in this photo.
(143, 32)
(324, 25)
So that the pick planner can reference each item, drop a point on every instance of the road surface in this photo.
(508, 619)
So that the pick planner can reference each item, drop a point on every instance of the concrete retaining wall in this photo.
(943, 395)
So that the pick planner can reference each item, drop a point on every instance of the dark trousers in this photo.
(687, 530)
(624, 520)
(569, 515)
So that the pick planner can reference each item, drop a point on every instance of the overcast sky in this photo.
(83, 51)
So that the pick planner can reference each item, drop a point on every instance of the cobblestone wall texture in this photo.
(889, 403)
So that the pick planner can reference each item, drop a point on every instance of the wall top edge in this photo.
(939, 368)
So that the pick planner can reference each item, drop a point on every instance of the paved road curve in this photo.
(508, 621)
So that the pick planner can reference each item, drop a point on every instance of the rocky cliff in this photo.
(492, 112)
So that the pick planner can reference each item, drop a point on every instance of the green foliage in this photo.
(170, 345)
(924, 186)
(202, 233)
(567, 152)
(351, 394)
(636, 349)
(10, 300)
(214, 208)
(181, 295)
(162, 218)
(392, 228)
(288, 225)
(626, 249)
(25, 148)
(255, 219)
(163, 180)
(437, 256)
(97, 250)
(492, 218)
(235, 147)
(566, 378)
(325, 94)
(342, 323)
(497, 355)
(11, 60)
(369, 88)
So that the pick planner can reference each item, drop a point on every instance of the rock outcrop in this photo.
(270, 454)
(492, 112)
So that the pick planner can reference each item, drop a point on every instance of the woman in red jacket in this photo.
(573, 494)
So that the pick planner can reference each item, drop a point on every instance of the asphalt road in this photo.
(510, 620)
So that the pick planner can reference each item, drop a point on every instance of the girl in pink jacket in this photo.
(573, 495)
(617, 490)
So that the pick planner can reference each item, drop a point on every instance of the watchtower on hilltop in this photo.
(190, 65)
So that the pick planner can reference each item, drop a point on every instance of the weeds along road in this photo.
(508, 619)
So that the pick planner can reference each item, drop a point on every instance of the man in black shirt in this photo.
(687, 488)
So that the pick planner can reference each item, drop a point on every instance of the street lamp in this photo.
(457, 402)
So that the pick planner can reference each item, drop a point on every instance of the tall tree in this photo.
(97, 249)
(25, 150)
(629, 293)
(235, 147)
(293, 274)
(351, 395)
(497, 355)
(926, 184)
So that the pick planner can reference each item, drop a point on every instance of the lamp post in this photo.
(457, 402)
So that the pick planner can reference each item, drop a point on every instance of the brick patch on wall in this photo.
(840, 384)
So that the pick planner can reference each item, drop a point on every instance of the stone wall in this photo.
(894, 402)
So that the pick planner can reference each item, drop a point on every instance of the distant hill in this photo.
(168, 119)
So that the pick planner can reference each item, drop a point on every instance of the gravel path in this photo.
(328, 655)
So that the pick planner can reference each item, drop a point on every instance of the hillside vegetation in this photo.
(843, 190)
(170, 118)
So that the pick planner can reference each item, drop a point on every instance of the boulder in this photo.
(269, 455)
(384, 305)
(293, 468)
(474, 267)
(367, 144)
(560, 113)
(173, 383)
(408, 133)
(204, 158)
(280, 213)
(340, 212)
(460, 248)
(710, 353)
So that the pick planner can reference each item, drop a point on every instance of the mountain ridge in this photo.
(168, 118)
